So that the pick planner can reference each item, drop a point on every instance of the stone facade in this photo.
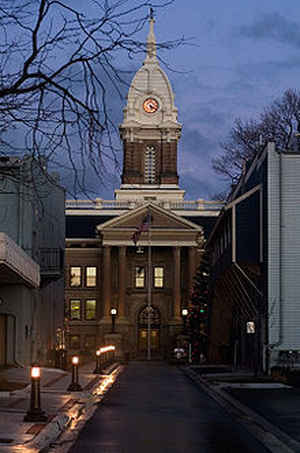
(117, 259)
(149, 282)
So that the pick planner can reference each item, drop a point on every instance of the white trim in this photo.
(261, 223)
(233, 258)
(144, 243)
(243, 197)
(150, 187)
(116, 223)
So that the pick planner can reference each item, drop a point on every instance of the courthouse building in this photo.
(105, 269)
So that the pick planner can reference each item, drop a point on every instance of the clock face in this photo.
(150, 105)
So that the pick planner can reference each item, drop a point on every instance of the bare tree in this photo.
(279, 122)
(58, 70)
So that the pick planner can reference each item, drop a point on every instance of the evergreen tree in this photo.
(198, 313)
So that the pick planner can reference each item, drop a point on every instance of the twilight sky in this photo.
(245, 54)
(242, 55)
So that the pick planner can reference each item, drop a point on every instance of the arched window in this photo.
(154, 314)
(150, 158)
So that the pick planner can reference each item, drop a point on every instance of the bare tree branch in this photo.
(279, 122)
(59, 69)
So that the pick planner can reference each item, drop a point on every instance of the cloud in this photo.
(275, 27)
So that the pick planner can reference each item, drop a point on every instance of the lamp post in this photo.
(35, 413)
(184, 313)
(75, 386)
(113, 312)
(98, 366)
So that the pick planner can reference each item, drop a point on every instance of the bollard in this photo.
(35, 413)
(75, 386)
(98, 362)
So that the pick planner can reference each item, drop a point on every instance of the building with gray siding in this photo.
(255, 250)
(32, 233)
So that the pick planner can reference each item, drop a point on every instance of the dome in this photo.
(151, 84)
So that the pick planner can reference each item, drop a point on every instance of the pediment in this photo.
(161, 219)
(165, 227)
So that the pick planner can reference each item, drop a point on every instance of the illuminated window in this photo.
(90, 309)
(158, 277)
(75, 276)
(139, 277)
(75, 309)
(74, 342)
(150, 164)
(90, 276)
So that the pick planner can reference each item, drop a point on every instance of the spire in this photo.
(151, 41)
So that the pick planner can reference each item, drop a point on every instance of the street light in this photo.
(184, 313)
(35, 413)
(113, 312)
(75, 386)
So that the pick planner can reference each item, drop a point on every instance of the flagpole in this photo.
(149, 295)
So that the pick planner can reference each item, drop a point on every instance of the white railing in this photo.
(98, 203)
(16, 259)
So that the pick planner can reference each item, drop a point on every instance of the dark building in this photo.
(255, 253)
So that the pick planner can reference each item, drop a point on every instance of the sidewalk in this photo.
(264, 406)
(60, 405)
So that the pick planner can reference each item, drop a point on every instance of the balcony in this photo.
(16, 267)
(51, 264)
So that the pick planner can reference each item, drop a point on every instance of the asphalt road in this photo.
(154, 408)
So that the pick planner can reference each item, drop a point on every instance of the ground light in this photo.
(98, 362)
(75, 386)
(35, 413)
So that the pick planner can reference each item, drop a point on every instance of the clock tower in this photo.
(150, 132)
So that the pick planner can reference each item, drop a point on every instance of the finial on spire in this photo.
(151, 41)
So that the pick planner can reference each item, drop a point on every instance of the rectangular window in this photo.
(158, 277)
(139, 277)
(90, 342)
(74, 342)
(90, 309)
(75, 309)
(91, 276)
(75, 276)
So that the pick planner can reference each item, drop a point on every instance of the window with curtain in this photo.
(75, 312)
(90, 309)
(158, 277)
(75, 276)
(90, 276)
(139, 277)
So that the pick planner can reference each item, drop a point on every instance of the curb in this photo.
(52, 430)
(269, 435)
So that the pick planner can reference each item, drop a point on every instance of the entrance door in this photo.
(2, 339)
(154, 330)
(154, 341)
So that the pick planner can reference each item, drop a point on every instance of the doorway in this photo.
(153, 330)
